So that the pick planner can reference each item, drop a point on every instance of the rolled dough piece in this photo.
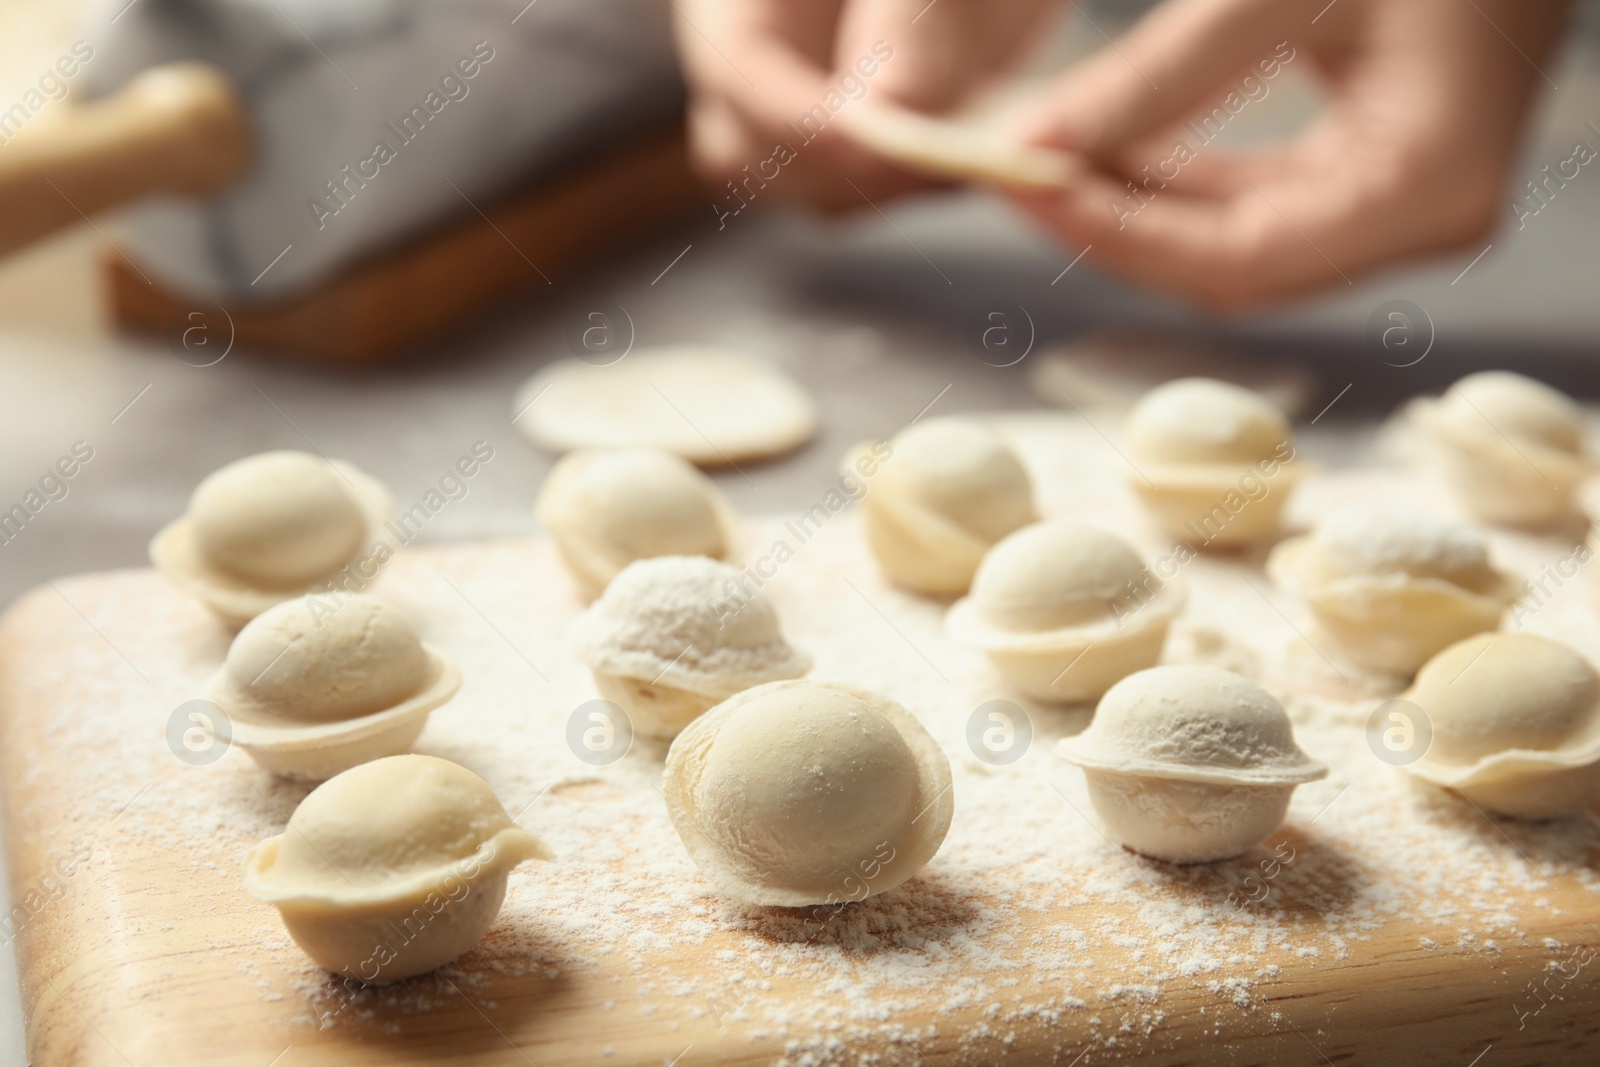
(711, 406)
(1110, 370)
(956, 150)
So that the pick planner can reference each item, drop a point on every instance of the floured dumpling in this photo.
(1392, 589)
(273, 526)
(605, 508)
(797, 793)
(1510, 448)
(947, 490)
(1516, 725)
(1065, 610)
(1214, 463)
(674, 635)
(1190, 764)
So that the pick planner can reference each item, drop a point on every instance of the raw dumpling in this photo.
(947, 490)
(1509, 447)
(273, 526)
(313, 687)
(673, 636)
(1065, 610)
(1515, 722)
(392, 868)
(1214, 463)
(1392, 589)
(1190, 764)
(605, 508)
(797, 793)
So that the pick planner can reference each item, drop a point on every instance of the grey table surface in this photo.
(868, 313)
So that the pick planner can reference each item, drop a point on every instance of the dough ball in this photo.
(319, 660)
(279, 519)
(1203, 421)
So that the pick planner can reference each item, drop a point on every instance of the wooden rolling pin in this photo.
(178, 129)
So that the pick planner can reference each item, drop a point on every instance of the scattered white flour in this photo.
(1028, 933)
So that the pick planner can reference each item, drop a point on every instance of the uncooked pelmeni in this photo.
(947, 149)
(800, 793)
(711, 406)
(315, 685)
(674, 635)
(1510, 448)
(1214, 463)
(1391, 588)
(1516, 725)
(605, 508)
(1064, 610)
(937, 497)
(273, 526)
(1190, 764)
(391, 869)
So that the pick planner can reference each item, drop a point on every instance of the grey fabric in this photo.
(325, 83)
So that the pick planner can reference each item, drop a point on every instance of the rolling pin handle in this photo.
(179, 129)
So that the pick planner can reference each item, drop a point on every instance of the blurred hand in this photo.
(1426, 99)
(757, 68)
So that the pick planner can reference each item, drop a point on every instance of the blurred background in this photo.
(869, 312)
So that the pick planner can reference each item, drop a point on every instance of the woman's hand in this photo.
(764, 73)
(1426, 101)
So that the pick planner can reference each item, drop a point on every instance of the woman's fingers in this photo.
(1177, 62)
(1257, 234)
(942, 51)
(763, 104)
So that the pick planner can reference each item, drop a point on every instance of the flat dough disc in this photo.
(956, 150)
(711, 406)
(1111, 370)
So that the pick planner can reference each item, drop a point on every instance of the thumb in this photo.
(1164, 69)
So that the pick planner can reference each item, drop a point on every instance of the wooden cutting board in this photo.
(1383, 924)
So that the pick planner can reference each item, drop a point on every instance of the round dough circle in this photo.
(711, 406)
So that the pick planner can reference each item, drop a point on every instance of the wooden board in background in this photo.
(404, 298)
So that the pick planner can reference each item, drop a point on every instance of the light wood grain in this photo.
(151, 955)
(408, 296)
